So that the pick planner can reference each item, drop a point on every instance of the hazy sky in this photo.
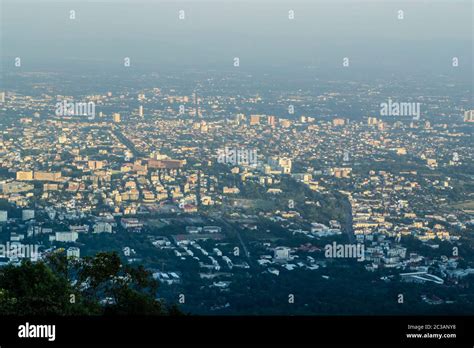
(258, 32)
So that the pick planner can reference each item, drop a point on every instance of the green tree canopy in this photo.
(97, 285)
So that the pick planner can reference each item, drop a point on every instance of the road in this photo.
(232, 228)
(348, 228)
(127, 143)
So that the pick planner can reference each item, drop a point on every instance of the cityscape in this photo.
(209, 193)
(244, 190)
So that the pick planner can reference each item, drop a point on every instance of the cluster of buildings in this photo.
(64, 178)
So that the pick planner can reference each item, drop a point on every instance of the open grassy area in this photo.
(466, 205)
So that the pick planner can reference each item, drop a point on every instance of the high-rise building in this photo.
(338, 122)
(254, 120)
(371, 121)
(116, 117)
(469, 116)
(271, 120)
(197, 111)
(140, 111)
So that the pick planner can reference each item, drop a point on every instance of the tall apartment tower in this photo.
(469, 116)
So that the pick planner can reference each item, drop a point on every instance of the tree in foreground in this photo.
(96, 285)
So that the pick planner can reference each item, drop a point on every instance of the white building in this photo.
(281, 253)
(131, 223)
(73, 252)
(3, 216)
(27, 214)
(66, 237)
(102, 227)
